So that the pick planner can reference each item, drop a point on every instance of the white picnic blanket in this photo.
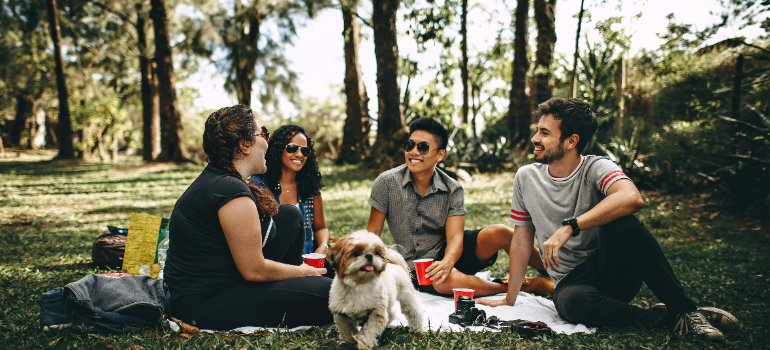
(437, 309)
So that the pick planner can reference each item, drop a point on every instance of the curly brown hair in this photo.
(308, 178)
(222, 137)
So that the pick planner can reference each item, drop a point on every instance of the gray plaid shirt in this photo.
(417, 223)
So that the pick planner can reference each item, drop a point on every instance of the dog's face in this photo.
(358, 257)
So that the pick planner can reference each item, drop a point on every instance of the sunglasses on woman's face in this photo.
(293, 148)
(422, 147)
(264, 133)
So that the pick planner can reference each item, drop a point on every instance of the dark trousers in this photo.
(288, 303)
(597, 292)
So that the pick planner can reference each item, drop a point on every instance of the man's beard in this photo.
(548, 157)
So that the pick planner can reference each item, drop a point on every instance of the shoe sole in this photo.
(727, 322)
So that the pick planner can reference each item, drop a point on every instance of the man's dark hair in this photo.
(576, 118)
(431, 126)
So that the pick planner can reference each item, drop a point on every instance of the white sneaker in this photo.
(695, 322)
(721, 319)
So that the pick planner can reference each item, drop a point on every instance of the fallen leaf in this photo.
(712, 216)
(186, 328)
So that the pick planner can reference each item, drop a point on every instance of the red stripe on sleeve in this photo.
(607, 177)
(610, 179)
(519, 218)
(520, 213)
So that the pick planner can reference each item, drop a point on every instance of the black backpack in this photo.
(109, 248)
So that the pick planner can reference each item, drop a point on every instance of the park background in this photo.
(101, 115)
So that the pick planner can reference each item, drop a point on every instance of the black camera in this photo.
(466, 313)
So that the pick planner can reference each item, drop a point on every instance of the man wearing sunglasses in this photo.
(425, 210)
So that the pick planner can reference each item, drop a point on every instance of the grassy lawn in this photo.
(50, 213)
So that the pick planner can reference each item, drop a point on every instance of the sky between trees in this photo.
(318, 59)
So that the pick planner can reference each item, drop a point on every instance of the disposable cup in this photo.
(314, 259)
(420, 265)
(462, 291)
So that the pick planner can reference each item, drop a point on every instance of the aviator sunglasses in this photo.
(264, 133)
(293, 147)
(422, 147)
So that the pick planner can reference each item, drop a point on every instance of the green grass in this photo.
(51, 212)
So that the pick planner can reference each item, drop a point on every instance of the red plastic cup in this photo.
(462, 291)
(419, 266)
(314, 259)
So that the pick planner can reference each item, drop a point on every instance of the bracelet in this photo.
(323, 244)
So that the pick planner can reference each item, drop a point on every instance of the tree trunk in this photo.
(150, 113)
(545, 16)
(244, 51)
(573, 78)
(464, 65)
(620, 87)
(519, 108)
(736, 103)
(391, 130)
(355, 137)
(66, 149)
(172, 144)
(24, 110)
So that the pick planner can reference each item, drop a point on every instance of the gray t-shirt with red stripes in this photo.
(544, 201)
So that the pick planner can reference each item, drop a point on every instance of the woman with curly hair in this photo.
(293, 177)
(235, 258)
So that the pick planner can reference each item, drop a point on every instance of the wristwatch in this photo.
(572, 222)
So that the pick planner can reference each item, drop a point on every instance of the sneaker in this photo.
(721, 319)
(695, 322)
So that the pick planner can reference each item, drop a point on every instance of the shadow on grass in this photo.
(128, 209)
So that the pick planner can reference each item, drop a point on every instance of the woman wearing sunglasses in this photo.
(293, 177)
(235, 258)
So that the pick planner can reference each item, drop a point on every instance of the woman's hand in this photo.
(322, 249)
(308, 270)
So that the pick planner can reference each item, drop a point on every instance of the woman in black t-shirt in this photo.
(236, 256)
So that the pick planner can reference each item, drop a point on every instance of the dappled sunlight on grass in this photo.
(51, 212)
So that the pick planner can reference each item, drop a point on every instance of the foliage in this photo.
(50, 214)
(323, 121)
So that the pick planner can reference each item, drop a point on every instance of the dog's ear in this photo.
(334, 253)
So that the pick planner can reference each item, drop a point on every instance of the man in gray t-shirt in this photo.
(425, 210)
(580, 209)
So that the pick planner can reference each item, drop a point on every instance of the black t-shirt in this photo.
(199, 259)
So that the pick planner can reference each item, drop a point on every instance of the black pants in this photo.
(288, 303)
(597, 292)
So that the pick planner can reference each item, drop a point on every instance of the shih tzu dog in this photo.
(369, 279)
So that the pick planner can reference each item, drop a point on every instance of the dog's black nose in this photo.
(369, 257)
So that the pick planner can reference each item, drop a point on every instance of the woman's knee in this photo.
(288, 212)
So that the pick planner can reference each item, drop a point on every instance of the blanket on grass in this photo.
(437, 309)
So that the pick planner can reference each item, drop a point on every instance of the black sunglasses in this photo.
(293, 147)
(422, 147)
(265, 133)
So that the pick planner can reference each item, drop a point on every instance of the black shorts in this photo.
(468, 263)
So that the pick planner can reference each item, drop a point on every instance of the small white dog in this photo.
(369, 279)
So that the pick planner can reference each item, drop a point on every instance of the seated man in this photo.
(598, 254)
(425, 210)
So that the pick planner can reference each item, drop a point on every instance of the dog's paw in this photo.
(347, 340)
(363, 343)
